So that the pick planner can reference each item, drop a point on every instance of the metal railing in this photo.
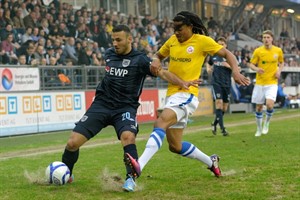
(82, 78)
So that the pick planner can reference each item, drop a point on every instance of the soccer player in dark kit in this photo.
(116, 100)
(221, 82)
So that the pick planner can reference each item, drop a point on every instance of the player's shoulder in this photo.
(276, 48)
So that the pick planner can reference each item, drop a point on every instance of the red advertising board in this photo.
(89, 97)
(149, 104)
(147, 110)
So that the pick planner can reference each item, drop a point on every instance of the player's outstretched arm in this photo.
(231, 60)
(157, 70)
(172, 78)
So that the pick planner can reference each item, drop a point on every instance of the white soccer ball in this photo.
(57, 173)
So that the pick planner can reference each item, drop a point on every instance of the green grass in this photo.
(267, 167)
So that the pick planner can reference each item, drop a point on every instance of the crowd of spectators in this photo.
(34, 34)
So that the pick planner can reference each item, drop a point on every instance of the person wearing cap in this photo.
(267, 61)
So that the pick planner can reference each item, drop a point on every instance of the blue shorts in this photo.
(99, 116)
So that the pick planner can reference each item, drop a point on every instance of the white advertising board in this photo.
(19, 79)
(22, 113)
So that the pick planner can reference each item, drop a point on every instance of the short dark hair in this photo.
(121, 27)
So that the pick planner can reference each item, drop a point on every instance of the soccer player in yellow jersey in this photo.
(267, 61)
(187, 50)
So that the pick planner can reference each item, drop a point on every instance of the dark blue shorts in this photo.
(99, 116)
(221, 93)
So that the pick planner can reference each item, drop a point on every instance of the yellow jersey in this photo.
(267, 59)
(187, 58)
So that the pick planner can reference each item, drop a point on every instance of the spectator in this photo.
(7, 18)
(94, 27)
(9, 49)
(85, 57)
(30, 54)
(64, 79)
(71, 24)
(27, 35)
(30, 20)
(42, 35)
(18, 20)
(212, 23)
(282, 99)
(59, 55)
(284, 34)
(50, 53)
(45, 26)
(246, 92)
(22, 60)
(70, 52)
(63, 30)
(35, 34)
(9, 30)
(146, 20)
(24, 11)
(104, 39)
(39, 53)
(2, 20)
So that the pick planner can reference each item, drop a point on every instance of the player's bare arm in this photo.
(156, 64)
(255, 68)
(172, 78)
(209, 68)
(226, 64)
(278, 72)
(230, 58)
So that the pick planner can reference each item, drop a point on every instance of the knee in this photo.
(128, 137)
(174, 149)
(72, 145)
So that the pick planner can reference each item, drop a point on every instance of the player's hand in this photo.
(193, 83)
(277, 74)
(155, 66)
(260, 71)
(240, 78)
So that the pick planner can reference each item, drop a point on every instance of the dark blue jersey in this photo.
(124, 78)
(221, 75)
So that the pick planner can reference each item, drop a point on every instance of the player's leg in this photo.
(155, 141)
(271, 93)
(176, 109)
(71, 153)
(225, 103)
(126, 127)
(130, 159)
(189, 150)
(217, 95)
(258, 98)
(86, 128)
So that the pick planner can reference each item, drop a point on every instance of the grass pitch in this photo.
(267, 167)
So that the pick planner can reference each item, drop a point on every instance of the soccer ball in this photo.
(57, 173)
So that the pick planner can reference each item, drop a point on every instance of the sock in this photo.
(219, 114)
(269, 114)
(131, 149)
(217, 117)
(259, 119)
(190, 151)
(153, 144)
(70, 158)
